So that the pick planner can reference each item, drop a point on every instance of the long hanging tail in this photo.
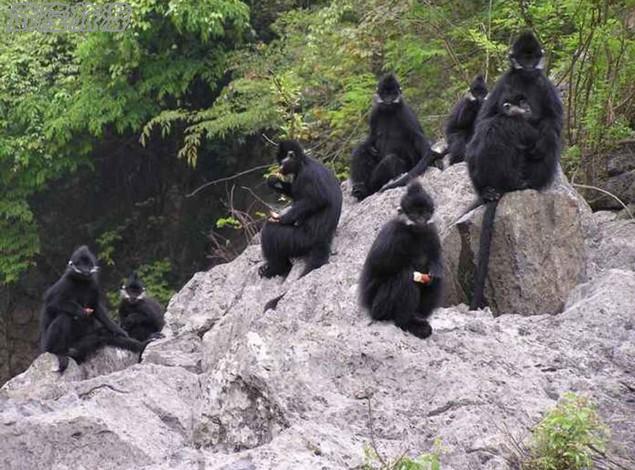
(485, 242)
(273, 303)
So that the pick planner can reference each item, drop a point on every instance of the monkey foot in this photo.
(420, 328)
(359, 191)
(490, 195)
(268, 272)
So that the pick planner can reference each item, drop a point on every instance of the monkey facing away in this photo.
(516, 142)
(402, 278)
(74, 322)
(140, 316)
(460, 126)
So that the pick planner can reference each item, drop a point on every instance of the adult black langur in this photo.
(516, 143)
(460, 126)
(396, 142)
(307, 227)
(402, 278)
(140, 316)
(74, 322)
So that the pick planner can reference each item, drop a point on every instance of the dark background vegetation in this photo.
(103, 135)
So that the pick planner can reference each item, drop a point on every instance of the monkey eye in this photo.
(506, 106)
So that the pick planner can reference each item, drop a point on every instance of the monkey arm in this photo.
(302, 209)
(135, 319)
(279, 185)
(547, 141)
(66, 307)
(465, 114)
(102, 316)
(433, 249)
(298, 211)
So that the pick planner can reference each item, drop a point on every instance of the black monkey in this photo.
(395, 145)
(460, 126)
(402, 277)
(516, 143)
(140, 316)
(306, 228)
(74, 321)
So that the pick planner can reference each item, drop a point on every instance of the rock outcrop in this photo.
(538, 253)
(233, 387)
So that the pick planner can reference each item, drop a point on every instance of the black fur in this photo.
(460, 126)
(68, 328)
(395, 145)
(514, 149)
(406, 244)
(307, 227)
(140, 316)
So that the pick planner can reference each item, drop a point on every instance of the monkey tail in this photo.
(485, 242)
(273, 303)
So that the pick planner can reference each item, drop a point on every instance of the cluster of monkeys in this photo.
(510, 139)
(74, 322)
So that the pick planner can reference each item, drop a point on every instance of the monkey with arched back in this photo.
(140, 316)
(307, 227)
(460, 125)
(402, 277)
(516, 142)
(396, 142)
(74, 322)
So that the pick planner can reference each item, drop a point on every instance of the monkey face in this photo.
(388, 91)
(132, 294)
(133, 290)
(290, 157)
(527, 54)
(289, 164)
(516, 107)
(417, 207)
(83, 264)
(478, 88)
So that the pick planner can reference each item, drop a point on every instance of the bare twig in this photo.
(268, 140)
(586, 186)
(227, 178)
(372, 434)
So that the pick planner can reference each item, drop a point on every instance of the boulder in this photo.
(538, 252)
(314, 383)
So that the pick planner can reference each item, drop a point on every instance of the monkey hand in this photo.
(422, 278)
(275, 181)
(274, 217)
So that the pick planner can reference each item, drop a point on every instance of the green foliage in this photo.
(228, 222)
(60, 93)
(316, 78)
(106, 243)
(428, 461)
(567, 437)
(186, 71)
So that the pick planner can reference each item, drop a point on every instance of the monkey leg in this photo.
(276, 241)
(388, 168)
(418, 327)
(363, 162)
(56, 340)
(318, 256)
(85, 346)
